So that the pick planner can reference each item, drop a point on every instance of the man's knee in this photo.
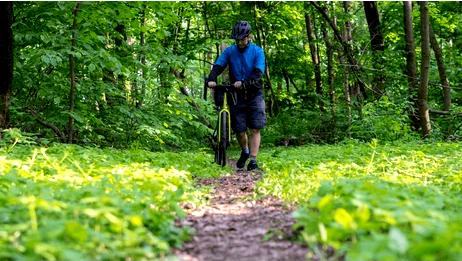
(241, 134)
(255, 131)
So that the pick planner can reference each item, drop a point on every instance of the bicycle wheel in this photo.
(224, 136)
(221, 155)
(216, 148)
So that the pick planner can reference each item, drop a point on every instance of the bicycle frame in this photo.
(225, 108)
(224, 126)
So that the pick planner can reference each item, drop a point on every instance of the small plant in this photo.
(66, 202)
(11, 137)
(372, 201)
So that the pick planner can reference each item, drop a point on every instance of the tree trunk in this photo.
(6, 61)
(346, 70)
(330, 73)
(377, 45)
(118, 81)
(273, 105)
(139, 94)
(257, 28)
(441, 70)
(411, 65)
(73, 89)
(314, 57)
(355, 67)
(373, 22)
(208, 34)
(424, 70)
(291, 79)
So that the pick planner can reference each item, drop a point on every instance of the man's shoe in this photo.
(252, 165)
(242, 159)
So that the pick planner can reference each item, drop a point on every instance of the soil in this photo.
(235, 226)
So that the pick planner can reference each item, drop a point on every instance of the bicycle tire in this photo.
(221, 155)
(224, 137)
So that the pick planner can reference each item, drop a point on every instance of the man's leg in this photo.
(242, 139)
(243, 142)
(255, 142)
(254, 148)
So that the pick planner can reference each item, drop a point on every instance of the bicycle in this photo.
(222, 133)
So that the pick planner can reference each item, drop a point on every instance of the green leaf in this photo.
(397, 241)
(344, 218)
(73, 230)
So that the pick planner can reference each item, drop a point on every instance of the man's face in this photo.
(243, 42)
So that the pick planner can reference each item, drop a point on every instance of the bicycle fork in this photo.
(220, 124)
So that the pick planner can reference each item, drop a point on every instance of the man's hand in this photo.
(238, 84)
(212, 84)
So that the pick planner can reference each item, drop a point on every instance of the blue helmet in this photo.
(240, 30)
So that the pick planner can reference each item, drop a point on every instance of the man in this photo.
(246, 63)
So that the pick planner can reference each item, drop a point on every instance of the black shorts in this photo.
(248, 114)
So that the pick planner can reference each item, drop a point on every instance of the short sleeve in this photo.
(260, 59)
(223, 58)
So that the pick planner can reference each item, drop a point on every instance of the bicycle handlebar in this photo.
(225, 87)
(230, 87)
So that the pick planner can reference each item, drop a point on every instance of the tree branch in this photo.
(55, 129)
(346, 49)
(445, 112)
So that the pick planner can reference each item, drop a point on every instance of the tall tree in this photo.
(441, 70)
(140, 91)
(6, 60)
(314, 56)
(373, 23)
(73, 89)
(355, 67)
(346, 36)
(411, 65)
(330, 72)
(377, 45)
(424, 70)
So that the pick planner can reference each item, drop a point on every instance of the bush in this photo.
(382, 120)
(295, 127)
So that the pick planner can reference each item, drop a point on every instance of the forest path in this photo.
(233, 226)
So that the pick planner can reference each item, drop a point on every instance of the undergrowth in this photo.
(67, 202)
(372, 201)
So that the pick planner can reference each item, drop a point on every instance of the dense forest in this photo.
(106, 125)
(132, 74)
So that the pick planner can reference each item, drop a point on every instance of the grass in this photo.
(369, 201)
(66, 202)
(372, 201)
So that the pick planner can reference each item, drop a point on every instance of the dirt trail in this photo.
(235, 227)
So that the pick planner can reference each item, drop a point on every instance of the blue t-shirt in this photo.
(242, 64)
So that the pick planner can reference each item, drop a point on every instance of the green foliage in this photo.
(132, 59)
(121, 100)
(74, 203)
(372, 201)
(382, 120)
(11, 137)
(297, 127)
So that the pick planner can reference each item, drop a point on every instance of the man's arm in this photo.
(260, 62)
(219, 66)
(216, 70)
